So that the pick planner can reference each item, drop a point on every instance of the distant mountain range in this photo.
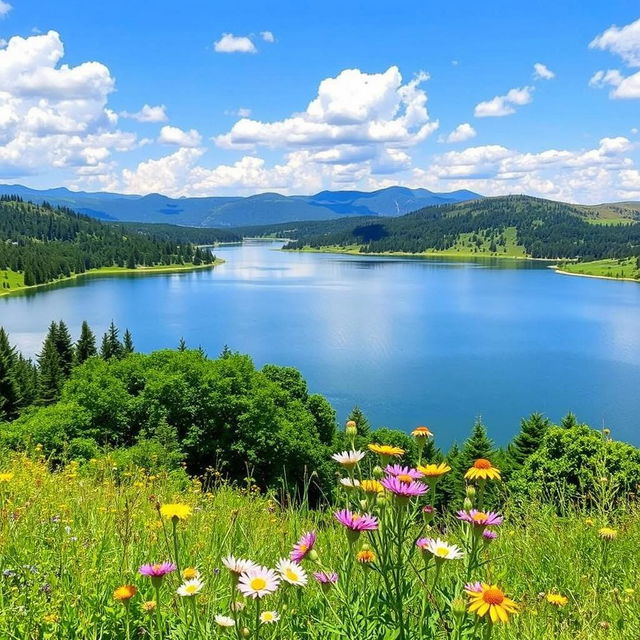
(263, 208)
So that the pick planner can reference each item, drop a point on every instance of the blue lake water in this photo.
(411, 341)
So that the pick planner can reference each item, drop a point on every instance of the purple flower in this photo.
(403, 489)
(302, 548)
(404, 474)
(157, 571)
(428, 509)
(480, 518)
(473, 587)
(326, 577)
(489, 535)
(355, 521)
(421, 543)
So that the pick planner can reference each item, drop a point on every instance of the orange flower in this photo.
(125, 593)
(490, 599)
(366, 556)
(482, 469)
(421, 432)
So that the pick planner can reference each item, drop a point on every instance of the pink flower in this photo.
(404, 474)
(355, 521)
(480, 518)
(489, 535)
(403, 489)
(473, 587)
(157, 571)
(326, 577)
(422, 543)
(302, 548)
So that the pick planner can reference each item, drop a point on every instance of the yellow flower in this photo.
(557, 599)
(490, 599)
(125, 593)
(371, 486)
(175, 511)
(51, 618)
(607, 533)
(434, 470)
(421, 432)
(149, 606)
(190, 573)
(6, 477)
(482, 469)
(366, 556)
(386, 450)
(589, 522)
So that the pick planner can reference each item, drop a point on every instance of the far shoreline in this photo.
(562, 272)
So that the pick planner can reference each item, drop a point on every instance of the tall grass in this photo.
(69, 538)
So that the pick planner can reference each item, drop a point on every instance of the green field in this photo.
(626, 268)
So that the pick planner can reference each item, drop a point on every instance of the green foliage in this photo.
(86, 345)
(528, 439)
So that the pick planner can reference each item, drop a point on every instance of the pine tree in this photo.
(362, 424)
(532, 430)
(182, 345)
(127, 343)
(64, 347)
(86, 345)
(9, 389)
(26, 374)
(569, 421)
(50, 376)
(111, 345)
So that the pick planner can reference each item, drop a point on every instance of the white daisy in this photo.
(238, 565)
(348, 459)
(269, 617)
(443, 550)
(258, 582)
(190, 587)
(224, 621)
(350, 483)
(292, 572)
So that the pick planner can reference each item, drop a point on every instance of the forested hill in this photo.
(506, 225)
(39, 244)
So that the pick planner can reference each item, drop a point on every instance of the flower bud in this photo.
(313, 555)
(467, 504)
(245, 632)
(458, 607)
(471, 492)
(378, 473)
(351, 429)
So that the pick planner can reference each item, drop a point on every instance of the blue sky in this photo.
(299, 97)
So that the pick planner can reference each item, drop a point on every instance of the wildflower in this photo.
(607, 533)
(303, 547)
(403, 489)
(421, 432)
(404, 474)
(125, 593)
(238, 565)
(589, 522)
(51, 618)
(224, 621)
(350, 483)
(371, 486)
(292, 573)
(556, 599)
(348, 459)
(489, 535)
(351, 428)
(6, 477)
(190, 588)
(190, 573)
(386, 451)
(157, 571)
(175, 511)
(356, 522)
(149, 606)
(473, 587)
(326, 578)
(434, 471)
(482, 469)
(258, 582)
(480, 518)
(366, 556)
(493, 601)
(440, 549)
(269, 617)
(629, 591)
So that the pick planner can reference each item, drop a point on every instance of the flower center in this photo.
(405, 478)
(442, 551)
(303, 547)
(493, 596)
(192, 588)
(258, 584)
(481, 463)
(292, 575)
(156, 568)
(479, 517)
(267, 616)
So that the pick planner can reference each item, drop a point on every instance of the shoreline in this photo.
(562, 272)
(115, 271)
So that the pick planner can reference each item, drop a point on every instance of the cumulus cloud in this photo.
(179, 137)
(624, 42)
(229, 43)
(267, 36)
(148, 114)
(542, 72)
(5, 7)
(461, 133)
(54, 115)
(504, 105)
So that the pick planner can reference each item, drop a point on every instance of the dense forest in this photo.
(543, 228)
(45, 243)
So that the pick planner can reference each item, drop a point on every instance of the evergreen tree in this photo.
(362, 424)
(26, 374)
(111, 345)
(64, 347)
(532, 430)
(182, 345)
(127, 343)
(569, 421)
(50, 369)
(9, 389)
(86, 345)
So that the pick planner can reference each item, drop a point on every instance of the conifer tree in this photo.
(50, 369)
(9, 389)
(64, 347)
(182, 345)
(86, 345)
(111, 345)
(127, 343)
(569, 421)
(26, 374)
(532, 430)
(362, 424)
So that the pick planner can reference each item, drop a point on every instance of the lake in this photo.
(411, 341)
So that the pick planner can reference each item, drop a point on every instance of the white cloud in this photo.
(624, 42)
(174, 135)
(148, 114)
(542, 72)
(229, 43)
(461, 133)
(241, 112)
(504, 105)
(53, 115)
(267, 36)
(5, 7)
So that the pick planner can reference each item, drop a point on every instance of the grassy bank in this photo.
(625, 269)
(16, 280)
(69, 539)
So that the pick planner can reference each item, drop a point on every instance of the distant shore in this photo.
(115, 271)
(561, 271)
